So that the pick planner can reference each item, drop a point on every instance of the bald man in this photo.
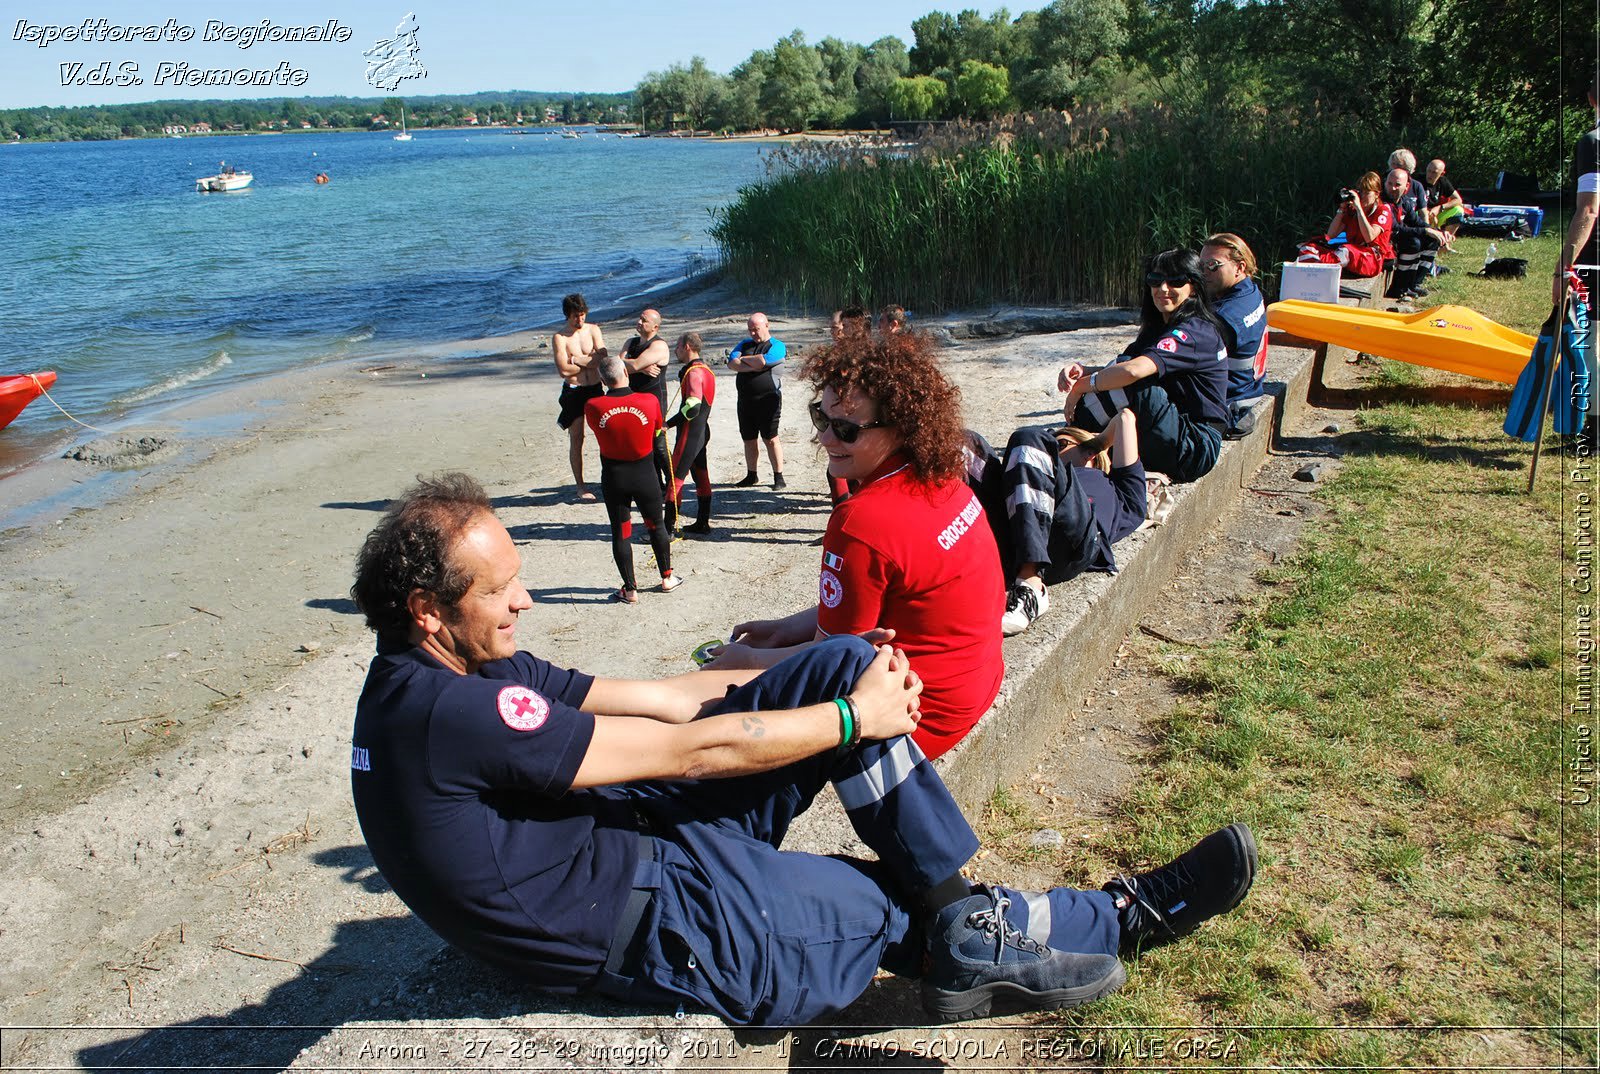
(760, 405)
(647, 357)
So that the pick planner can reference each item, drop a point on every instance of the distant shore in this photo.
(759, 135)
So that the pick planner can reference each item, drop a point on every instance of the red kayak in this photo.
(18, 391)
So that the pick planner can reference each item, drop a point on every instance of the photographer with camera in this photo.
(1359, 238)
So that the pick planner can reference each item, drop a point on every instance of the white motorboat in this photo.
(227, 179)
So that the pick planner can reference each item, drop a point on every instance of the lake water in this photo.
(140, 292)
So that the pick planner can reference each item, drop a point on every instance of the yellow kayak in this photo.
(1453, 338)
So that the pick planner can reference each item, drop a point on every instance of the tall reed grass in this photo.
(1045, 209)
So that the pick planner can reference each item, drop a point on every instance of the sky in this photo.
(465, 46)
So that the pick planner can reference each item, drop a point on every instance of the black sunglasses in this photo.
(846, 431)
(1155, 279)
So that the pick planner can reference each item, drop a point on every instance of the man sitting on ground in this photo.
(1415, 243)
(622, 837)
(1445, 207)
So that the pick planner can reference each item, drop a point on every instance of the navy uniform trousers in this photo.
(1050, 521)
(1169, 440)
(728, 922)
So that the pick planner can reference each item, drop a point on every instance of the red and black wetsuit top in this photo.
(697, 381)
(625, 423)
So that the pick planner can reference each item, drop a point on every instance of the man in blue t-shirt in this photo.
(760, 396)
(622, 837)
(1228, 268)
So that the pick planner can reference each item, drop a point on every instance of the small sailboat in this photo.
(404, 135)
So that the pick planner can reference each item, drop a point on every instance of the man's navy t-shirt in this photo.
(462, 787)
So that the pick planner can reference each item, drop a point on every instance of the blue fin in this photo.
(1574, 372)
(1533, 386)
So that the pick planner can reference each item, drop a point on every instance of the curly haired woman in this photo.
(910, 555)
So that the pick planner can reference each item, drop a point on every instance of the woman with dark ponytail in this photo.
(1174, 376)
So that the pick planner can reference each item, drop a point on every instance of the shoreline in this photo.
(158, 596)
(42, 485)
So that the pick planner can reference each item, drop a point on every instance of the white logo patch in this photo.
(521, 709)
(830, 589)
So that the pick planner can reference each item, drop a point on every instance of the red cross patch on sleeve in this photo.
(521, 709)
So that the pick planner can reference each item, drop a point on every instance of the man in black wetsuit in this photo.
(646, 355)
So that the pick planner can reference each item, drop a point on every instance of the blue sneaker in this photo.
(1208, 879)
(978, 955)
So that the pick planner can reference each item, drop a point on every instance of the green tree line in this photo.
(1399, 62)
(152, 118)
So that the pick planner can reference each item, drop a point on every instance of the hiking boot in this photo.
(778, 481)
(749, 479)
(1024, 604)
(1208, 879)
(979, 956)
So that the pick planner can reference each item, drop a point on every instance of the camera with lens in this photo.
(1347, 195)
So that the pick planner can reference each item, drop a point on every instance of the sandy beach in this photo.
(186, 658)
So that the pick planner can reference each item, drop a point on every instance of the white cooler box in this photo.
(1309, 283)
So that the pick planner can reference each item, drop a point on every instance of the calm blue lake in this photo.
(139, 291)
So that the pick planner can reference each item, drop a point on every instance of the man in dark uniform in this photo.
(622, 837)
(1415, 243)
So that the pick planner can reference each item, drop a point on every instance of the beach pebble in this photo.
(1047, 837)
(308, 647)
(1332, 427)
(1311, 471)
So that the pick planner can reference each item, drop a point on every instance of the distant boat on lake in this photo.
(226, 180)
(404, 135)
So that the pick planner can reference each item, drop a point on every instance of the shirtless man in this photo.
(647, 357)
(578, 347)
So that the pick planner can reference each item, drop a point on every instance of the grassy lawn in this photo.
(1395, 717)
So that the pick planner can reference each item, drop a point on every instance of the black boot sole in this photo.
(945, 1006)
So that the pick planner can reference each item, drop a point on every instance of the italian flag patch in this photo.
(831, 561)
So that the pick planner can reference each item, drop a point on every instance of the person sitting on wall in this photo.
(1173, 376)
(621, 838)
